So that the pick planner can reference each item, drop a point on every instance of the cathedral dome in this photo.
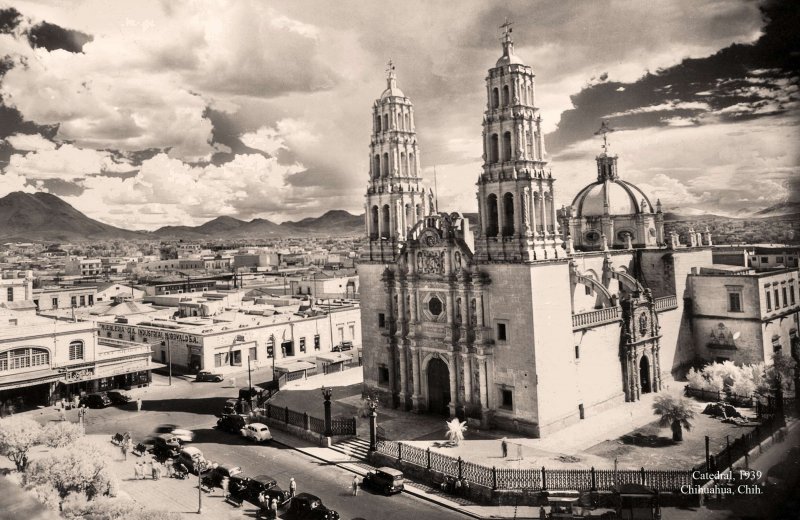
(392, 91)
(611, 197)
(509, 59)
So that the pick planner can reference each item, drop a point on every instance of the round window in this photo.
(435, 306)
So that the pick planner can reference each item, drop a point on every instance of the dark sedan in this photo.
(208, 376)
(215, 476)
(249, 488)
(305, 506)
(118, 396)
(95, 401)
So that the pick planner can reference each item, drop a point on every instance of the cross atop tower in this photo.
(604, 131)
(390, 68)
(506, 27)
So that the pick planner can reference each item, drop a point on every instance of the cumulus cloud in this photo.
(30, 142)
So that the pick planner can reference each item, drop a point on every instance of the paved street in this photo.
(192, 405)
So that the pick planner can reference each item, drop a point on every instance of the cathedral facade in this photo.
(544, 316)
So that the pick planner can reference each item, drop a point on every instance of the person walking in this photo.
(63, 412)
(355, 486)
(273, 508)
(137, 470)
(125, 446)
(139, 404)
(292, 487)
(154, 470)
(147, 469)
(504, 447)
(225, 485)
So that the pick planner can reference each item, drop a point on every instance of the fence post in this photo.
(286, 415)
(642, 473)
(494, 476)
(306, 424)
(399, 451)
(460, 473)
(594, 482)
(428, 456)
(544, 480)
(728, 448)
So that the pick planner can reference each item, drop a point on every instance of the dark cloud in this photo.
(742, 81)
(226, 131)
(62, 188)
(52, 37)
(9, 20)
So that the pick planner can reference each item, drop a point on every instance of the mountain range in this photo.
(45, 217)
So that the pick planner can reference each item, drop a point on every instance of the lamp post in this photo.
(169, 361)
(202, 467)
(373, 423)
(272, 340)
(330, 321)
(249, 383)
(326, 395)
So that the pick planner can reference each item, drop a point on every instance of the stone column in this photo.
(484, 391)
(416, 396)
(542, 205)
(553, 219)
(466, 379)
(453, 386)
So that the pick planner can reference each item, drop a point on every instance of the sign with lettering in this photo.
(78, 375)
(143, 332)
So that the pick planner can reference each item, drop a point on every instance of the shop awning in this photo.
(36, 377)
(294, 366)
(336, 357)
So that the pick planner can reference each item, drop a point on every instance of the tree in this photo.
(455, 431)
(17, 436)
(76, 506)
(81, 467)
(60, 434)
(675, 413)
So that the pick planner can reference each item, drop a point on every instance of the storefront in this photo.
(27, 391)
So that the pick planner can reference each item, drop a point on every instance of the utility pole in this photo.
(249, 382)
(330, 321)
(169, 361)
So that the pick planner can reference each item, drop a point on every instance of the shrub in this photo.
(81, 467)
(715, 383)
(17, 436)
(60, 434)
(696, 379)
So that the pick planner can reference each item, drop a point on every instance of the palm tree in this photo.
(455, 431)
(675, 413)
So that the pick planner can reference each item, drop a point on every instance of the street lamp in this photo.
(326, 395)
(372, 404)
(202, 466)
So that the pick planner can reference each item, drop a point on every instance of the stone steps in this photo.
(356, 448)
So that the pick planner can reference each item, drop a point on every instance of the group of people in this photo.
(153, 467)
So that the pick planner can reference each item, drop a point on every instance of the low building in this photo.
(323, 286)
(106, 292)
(83, 266)
(743, 315)
(774, 257)
(257, 334)
(43, 360)
(50, 298)
(178, 285)
(16, 286)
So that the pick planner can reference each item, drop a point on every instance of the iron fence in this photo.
(343, 426)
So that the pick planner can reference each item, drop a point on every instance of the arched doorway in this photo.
(438, 387)
(644, 375)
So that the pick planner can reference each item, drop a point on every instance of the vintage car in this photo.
(232, 422)
(204, 375)
(191, 458)
(182, 434)
(385, 480)
(249, 488)
(98, 400)
(216, 475)
(118, 396)
(305, 506)
(343, 346)
(257, 432)
(166, 446)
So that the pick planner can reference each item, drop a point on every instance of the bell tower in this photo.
(395, 199)
(515, 190)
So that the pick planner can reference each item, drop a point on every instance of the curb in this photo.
(411, 490)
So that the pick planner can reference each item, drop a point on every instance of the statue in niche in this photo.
(457, 257)
(473, 314)
(431, 206)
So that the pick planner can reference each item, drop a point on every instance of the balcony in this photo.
(585, 320)
(666, 303)
(119, 349)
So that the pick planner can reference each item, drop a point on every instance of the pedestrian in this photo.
(138, 404)
(273, 508)
(292, 487)
(154, 470)
(225, 484)
(158, 471)
(355, 485)
(504, 447)
(263, 501)
(137, 470)
(147, 469)
(170, 469)
(465, 487)
(457, 487)
(63, 412)
(124, 445)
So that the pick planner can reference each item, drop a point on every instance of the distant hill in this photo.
(45, 217)
(783, 208)
(334, 222)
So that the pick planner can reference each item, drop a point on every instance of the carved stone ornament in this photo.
(430, 262)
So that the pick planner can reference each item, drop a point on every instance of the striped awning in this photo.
(33, 378)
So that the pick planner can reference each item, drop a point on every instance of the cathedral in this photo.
(539, 317)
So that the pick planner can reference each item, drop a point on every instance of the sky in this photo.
(144, 114)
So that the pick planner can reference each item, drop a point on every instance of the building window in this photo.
(23, 358)
(270, 347)
(506, 399)
(383, 375)
(91, 299)
(253, 353)
(577, 351)
(791, 294)
(75, 350)
(83, 301)
(785, 300)
(316, 342)
(777, 299)
(236, 358)
(734, 301)
(779, 260)
(73, 301)
(435, 306)
(381, 320)
(501, 332)
(10, 293)
(55, 303)
(769, 301)
(352, 331)
(340, 330)
(302, 344)
(220, 359)
(764, 260)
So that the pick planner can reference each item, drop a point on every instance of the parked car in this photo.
(119, 396)
(232, 422)
(257, 432)
(305, 506)
(385, 480)
(191, 458)
(98, 400)
(166, 446)
(183, 435)
(204, 375)
(343, 346)
(215, 476)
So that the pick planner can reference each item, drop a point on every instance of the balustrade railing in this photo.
(596, 317)
(666, 303)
